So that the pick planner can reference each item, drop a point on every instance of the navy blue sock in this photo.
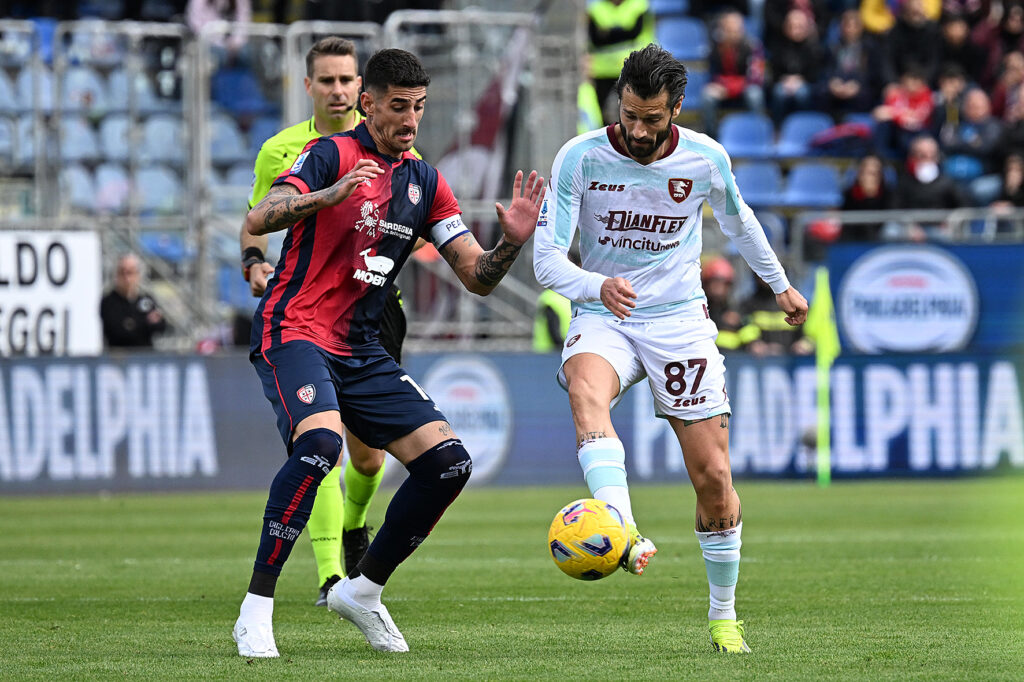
(314, 454)
(435, 479)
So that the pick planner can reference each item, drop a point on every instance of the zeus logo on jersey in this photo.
(599, 186)
(624, 221)
(377, 267)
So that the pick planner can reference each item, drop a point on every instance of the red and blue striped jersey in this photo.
(337, 265)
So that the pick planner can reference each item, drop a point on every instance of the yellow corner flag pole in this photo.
(821, 327)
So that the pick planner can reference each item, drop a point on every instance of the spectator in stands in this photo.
(776, 13)
(1011, 194)
(795, 62)
(615, 28)
(736, 65)
(1008, 84)
(957, 47)
(879, 19)
(199, 13)
(904, 113)
(851, 80)
(922, 185)
(997, 38)
(970, 147)
(1013, 128)
(914, 42)
(717, 277)
(774, 335)
(948, 99)
(130, 316)
(973, 11)
(869, 192)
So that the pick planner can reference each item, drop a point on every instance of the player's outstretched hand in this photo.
(618, 296)
(258, 275)
(519, 220)
(365, 170)
(794, 305)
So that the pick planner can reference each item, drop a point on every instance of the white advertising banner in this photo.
(50, 288)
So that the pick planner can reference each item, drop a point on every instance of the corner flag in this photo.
(821, 327)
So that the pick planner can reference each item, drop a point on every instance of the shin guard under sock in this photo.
(435, 479)
(314, 454)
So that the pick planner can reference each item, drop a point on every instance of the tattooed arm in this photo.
(480, 271)
(284, 205)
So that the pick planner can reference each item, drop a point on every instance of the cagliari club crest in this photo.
(414, 193)
(307, 394)
(679, 189)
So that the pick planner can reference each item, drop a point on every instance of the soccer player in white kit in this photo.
(635, 191)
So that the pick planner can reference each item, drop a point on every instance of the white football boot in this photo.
(640, 552)
(376, 624)
(255, 640)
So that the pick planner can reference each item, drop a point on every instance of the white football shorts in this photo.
(677, 354)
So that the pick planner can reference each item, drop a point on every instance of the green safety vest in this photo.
(606, 62)
(542, 341)
(590, 116)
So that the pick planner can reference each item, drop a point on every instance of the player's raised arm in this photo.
(480, 271)
(285, 205)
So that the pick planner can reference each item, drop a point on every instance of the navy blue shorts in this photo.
(377, 400)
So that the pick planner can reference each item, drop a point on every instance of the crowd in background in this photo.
(935, 87)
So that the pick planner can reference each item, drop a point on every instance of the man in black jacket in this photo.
(130, 316)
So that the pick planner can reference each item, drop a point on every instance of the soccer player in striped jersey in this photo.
(353, 205)
(634, 192)
(337, 522)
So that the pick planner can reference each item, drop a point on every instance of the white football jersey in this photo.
(642, 223)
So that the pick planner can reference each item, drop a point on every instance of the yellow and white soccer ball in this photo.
(588, 539)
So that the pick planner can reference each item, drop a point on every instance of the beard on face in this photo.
(643, 150)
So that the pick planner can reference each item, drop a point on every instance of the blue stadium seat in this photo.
(25, 142)
(262, 129)
(8, 95)
(78, 140)
(759, 182)
(159, 189)
(747, 134)
(16, 49)
(665, 8)
(695, 82)
(774, 228)
(34, 86)
(112, 188)
(162, 140)
(813, 185)
(232, 290)
(78, 186)
(170, 246)
(146, 100)
(45, 28)
(237, 90)
(114, 133)
(7, 128)
(797, 130)
(227, 145)
(239, 175)
(91, 43)
(83, 90)
(685, 37)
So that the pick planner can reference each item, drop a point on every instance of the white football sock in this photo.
(721, 552)
(256, 609)
(603, 461)
(364, 592)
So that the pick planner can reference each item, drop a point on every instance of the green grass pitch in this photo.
(888, 580)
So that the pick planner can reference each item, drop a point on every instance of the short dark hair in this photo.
(396, 67)
(649, 71)
(332, 46)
